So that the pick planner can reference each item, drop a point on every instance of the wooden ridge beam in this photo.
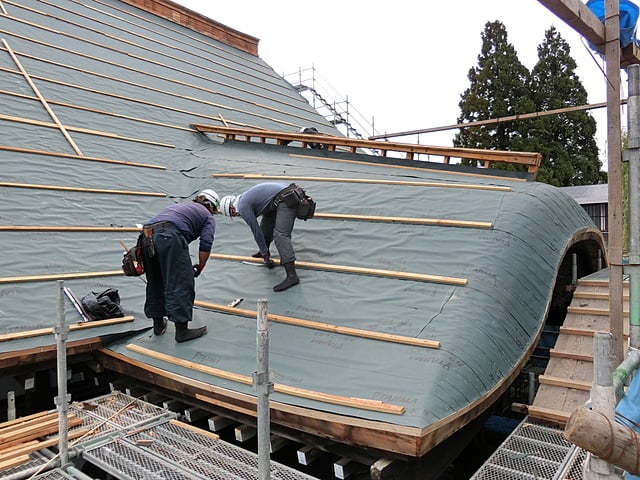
(361, 403)
(371, 181)
(530, 159)
(59, 276)
(412, 168)
(327, 327)
(4, 337)
(80, 189)
(420, 277)
(79, 157)
(442, 222)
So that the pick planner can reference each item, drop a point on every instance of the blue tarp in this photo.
(628, 19)
(628, 412)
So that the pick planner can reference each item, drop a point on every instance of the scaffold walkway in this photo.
(533, 451)
(131, 439)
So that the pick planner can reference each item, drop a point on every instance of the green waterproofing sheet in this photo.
(144, 84)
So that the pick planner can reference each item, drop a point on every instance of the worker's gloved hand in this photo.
(267, 260)
(196, 270)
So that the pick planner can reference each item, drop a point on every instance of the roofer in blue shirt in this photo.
(271, 201)
(168, 266)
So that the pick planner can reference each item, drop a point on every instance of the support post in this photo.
(264, 387)
(62, 400)
(632, 156)
(612, 58)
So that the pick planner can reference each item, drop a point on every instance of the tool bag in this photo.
(132, 265)
(103, 305)
(296, 197)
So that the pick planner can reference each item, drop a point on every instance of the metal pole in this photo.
(62, 400)
(632, 156)
(603, 397)
(264, 387)
(574, 269)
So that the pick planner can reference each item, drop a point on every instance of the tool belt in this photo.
(288, 196)
(147, 235)
(296, 197)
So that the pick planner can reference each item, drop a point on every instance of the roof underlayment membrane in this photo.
(126, 86)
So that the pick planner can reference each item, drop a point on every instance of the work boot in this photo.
(183, 333)
(159, 325)
(291, 280)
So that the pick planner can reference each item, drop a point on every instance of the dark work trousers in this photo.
(276, 226)
(170, 280)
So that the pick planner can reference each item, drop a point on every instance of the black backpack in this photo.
(103, 305)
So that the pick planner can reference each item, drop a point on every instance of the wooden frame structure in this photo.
(530, 160)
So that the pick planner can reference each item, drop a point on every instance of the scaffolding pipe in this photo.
(632, 156)
(624, 371)
(264, 387)
(603, 397)
(62, 400)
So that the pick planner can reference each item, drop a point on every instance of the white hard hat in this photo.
(212, 197)
(226, 203)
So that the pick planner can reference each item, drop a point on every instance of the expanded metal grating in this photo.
(534, 452)
(151, 445)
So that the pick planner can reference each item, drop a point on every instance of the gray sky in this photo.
(402, 63)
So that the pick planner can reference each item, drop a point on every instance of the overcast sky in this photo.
(402, 63)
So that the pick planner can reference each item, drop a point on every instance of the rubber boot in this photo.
(291, 280)
(183, 333)
(159, 325)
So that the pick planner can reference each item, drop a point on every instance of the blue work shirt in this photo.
(253, 203)
(193, 220)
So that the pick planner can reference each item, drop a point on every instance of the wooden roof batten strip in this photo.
(354, 402)
(528, 159)
(80, 189)
(327, 327)
(33, 86)
(74, 326)
(420, 277)
(373, 181)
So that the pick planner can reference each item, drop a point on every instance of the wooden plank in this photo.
(197, 430)
(408, 220)
(365, 404)
(548, 414)
(562, 382)
(357, 270)
(80, 189)
(522, 158)
(79, 157)
(60, 228)
(24, 419)
(46, 428)
(327, 327)
(59, 276)
(13, 462)
(406, 167)
(582, 357)
(371, 181)
(36, 420)
(34, 446)
(591, 311)
(75, 326)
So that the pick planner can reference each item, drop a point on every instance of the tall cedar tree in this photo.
(499, 88)
(566, 141)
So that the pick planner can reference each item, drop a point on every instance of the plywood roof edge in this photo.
(199, 23)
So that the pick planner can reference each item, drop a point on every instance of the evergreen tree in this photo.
(499, 88)
(566, 141)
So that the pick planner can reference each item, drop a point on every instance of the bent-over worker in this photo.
(170, 273)
(267, 200)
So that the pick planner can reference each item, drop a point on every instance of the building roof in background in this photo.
(588, 194)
